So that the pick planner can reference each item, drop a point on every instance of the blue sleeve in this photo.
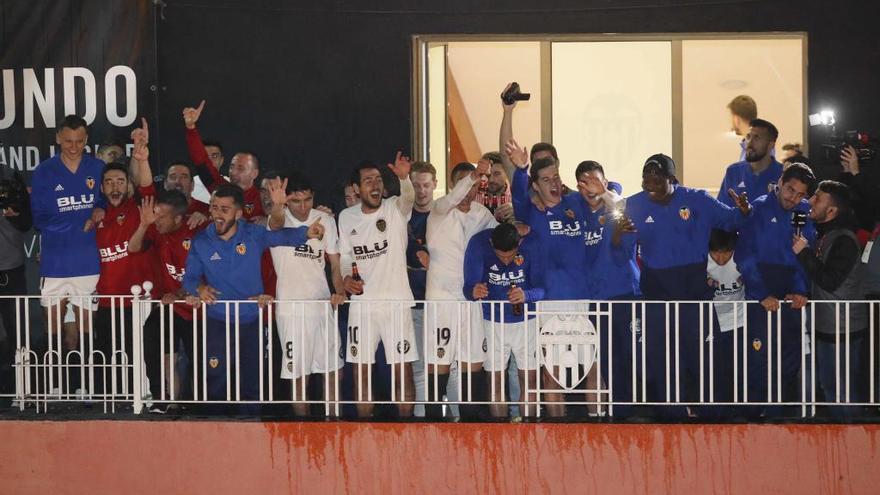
(473, 267)
(722, 190)
(519, 193)
(284, 237)
(535, 292)
(42, 207)
(747, 261)
(724, 217)
(194, 270)
(615, 186)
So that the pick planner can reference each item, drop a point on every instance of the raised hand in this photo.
(849, 159)
(148, 215)
(505, 105)
(592, 185)
(484, 166)
(518, 156)
(278, 192)
(141, 135)
(191, 115)
(140, 152)
(401, 166)
(316, 230)
(741, 201)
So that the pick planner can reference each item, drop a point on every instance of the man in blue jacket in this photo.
(609, 277)
(224, 265)
(758, 173)
(672, 225)
(498, 267)
(67, 205)
(772, 273)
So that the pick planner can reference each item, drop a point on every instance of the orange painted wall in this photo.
(167, 457)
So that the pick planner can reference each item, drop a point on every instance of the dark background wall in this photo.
(318, 86)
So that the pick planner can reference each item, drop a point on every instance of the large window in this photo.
(615, 99)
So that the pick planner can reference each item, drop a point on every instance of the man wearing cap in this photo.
(672, 225)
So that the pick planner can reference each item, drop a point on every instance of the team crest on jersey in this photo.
(403, 347)
(684, 212)
(248, 208)
(354, 351)
(240, 248)
(120, 219)
(569, 213)
(213, 362)
(519, 260)
(381, 225)
(90, 182)
(187, 243)
(441, 352)
(756, 344)
(601, 219)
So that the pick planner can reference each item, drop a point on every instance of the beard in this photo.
(754, 156)
(223, 226)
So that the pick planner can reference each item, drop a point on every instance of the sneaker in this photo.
(159, 408)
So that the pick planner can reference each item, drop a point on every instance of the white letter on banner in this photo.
(70, 75)
(33, 94)
(8, 99)
(130, 95)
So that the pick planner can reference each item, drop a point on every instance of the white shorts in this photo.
(503, 338)
(78, 290)
(307, 343)
(450, 325)
(390, 323)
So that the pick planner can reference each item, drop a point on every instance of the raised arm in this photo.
(140, 156)
(148, 216)
(506, 135)
(209, 174)
(443, 205)
(401, 167)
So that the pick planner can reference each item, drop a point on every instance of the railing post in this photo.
(136, 350)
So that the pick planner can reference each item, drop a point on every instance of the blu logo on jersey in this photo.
(376, 248)
(505, 278)
(84, 199)
(558, 227)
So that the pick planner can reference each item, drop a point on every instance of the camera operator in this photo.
(836, 273)
(863, 186)
(15, 204)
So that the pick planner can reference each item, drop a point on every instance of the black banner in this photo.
(94, 59)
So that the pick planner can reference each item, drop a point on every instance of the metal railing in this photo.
(610, 358)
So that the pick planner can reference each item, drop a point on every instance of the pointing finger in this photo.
(201, 106)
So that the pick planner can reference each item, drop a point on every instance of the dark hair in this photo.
(364, 165)
(722, 240)
(115, 166)
(73, 122)
(840, 196)
(176, 200)
(798, 158)
(216, 144)
(269, 174)
(588, 166)
(539, 165)
(298, 183)
(181, 163)
(492, 156)
(537, 147)
(462, 167)
(744, 107)
(801, 172)
(505, 237)
(228, 190)
(763, 124)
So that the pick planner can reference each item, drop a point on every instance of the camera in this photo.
(862, 142)
(12, 192)
(513, 94)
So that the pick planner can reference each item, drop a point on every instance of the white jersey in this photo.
(730, 288)
(300, 269)
(448, 232)
(377, 243)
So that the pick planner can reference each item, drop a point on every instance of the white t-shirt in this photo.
(377, 243)
(730, 288)
(300, 269)
(449, 230)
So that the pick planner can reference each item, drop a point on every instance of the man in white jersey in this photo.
(374, 234)
(456, 329)
(309, 342)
